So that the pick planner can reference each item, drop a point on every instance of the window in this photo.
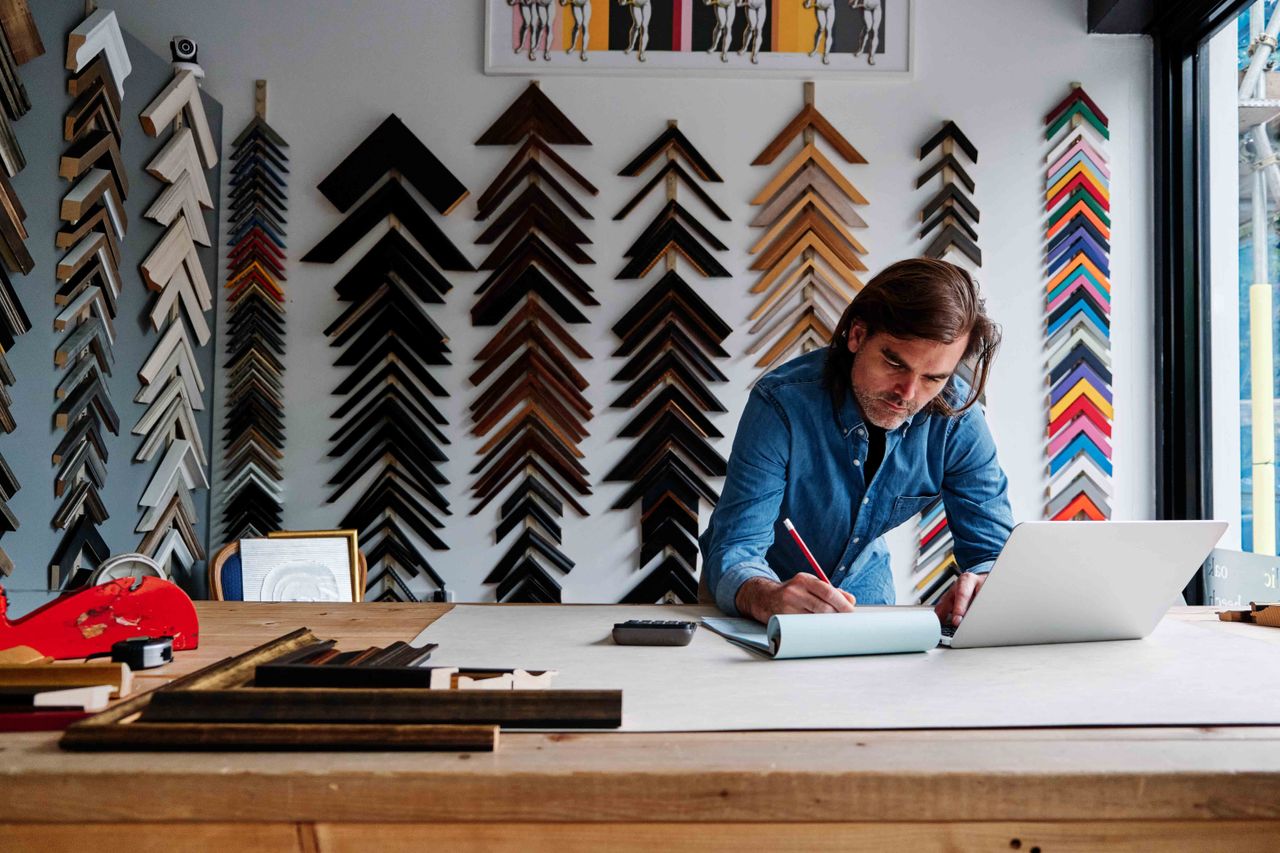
(1185, 263)
(1238, 125)
(1243, 142)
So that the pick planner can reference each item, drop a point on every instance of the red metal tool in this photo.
(88, 621)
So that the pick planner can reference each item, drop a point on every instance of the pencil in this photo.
(817, 570)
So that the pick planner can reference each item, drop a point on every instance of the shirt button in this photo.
(857, 463)
(866, 500)
(857, 539)
(860, 431)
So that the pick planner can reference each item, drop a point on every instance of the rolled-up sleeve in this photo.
(975, 493)
(740, 530)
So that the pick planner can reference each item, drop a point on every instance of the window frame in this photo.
(1183, 434)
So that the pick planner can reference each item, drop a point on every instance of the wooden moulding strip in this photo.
(117, 675)
(23, 654)
(355, 676)
(181, 95)
(20, 30)
(115, 728)
(228, 672)
(283, 736)
(594, 709)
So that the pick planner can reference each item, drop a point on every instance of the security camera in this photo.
(183, 50)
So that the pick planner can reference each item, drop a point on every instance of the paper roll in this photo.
(866, 631)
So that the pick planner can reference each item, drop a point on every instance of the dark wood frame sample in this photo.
(807, 250)
(20, 31)
(118, 729)
(19, 42)
(586, 709)
(388, 337)
(254, 425)
(669, 338)
(535, 407)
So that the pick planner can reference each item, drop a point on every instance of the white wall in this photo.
(335, 69)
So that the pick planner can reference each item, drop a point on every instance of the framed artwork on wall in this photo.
(772, 38)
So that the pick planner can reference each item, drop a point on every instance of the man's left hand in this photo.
(955, 603)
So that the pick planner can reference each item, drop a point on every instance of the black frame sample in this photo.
(386, 334)
(956, 232)
(670, 338)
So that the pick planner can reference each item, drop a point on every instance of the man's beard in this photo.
(875, 408)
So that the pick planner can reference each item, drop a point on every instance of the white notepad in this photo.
(865, 631)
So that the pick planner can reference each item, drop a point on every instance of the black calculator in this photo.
(653, 632)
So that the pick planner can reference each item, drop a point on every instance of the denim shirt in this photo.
(795, 456)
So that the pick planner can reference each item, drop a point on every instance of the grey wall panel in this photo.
(29, 448)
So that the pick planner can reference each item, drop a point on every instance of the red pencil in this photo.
(786, 522)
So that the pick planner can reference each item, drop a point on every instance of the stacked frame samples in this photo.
(949, 218)
(1077, 199)
(532, 409)
(950, 215)
(392, 435)
(254, 429)
(89, 284)
(670, 339)
(808, 258)
(19, 42)
(172, 385)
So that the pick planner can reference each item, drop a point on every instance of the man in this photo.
(852, 441)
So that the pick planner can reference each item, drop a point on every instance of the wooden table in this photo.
(1027, 790)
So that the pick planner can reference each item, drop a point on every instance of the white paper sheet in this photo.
(302, 569)
(1181, 675)
(866, 631)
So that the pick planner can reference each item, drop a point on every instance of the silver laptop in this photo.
(1072, 582)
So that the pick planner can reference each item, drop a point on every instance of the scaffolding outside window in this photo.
(1240, 134)
(1258, 109)
(1244, 318)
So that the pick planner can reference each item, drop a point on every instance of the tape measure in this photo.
(143, 652)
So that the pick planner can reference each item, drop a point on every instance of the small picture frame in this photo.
(353, 550)
(311, 565)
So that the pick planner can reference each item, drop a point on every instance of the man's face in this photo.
(893, 378)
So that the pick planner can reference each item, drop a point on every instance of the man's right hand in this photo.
(760, 598)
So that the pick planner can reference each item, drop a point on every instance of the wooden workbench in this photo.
(1027, 790)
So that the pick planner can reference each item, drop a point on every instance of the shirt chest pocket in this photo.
(905, 508)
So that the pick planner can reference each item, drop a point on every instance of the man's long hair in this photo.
(919, 298)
